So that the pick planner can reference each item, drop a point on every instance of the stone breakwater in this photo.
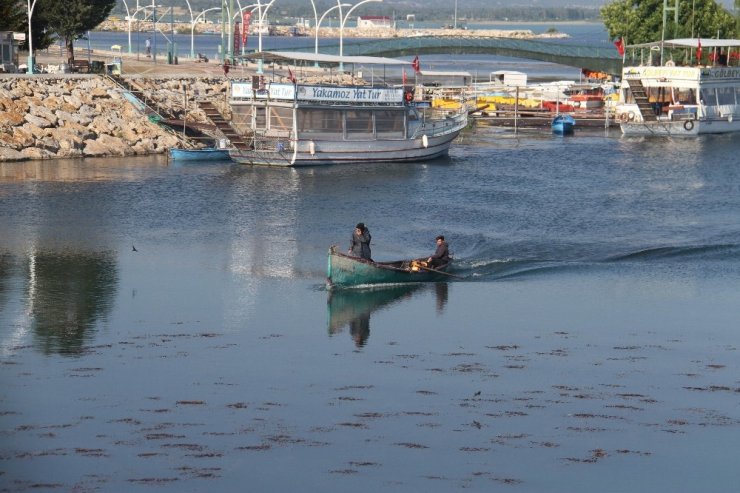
(44, 117)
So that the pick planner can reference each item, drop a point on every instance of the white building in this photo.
(374, 21)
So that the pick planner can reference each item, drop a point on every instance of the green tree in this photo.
(641, 21)
(71, 19)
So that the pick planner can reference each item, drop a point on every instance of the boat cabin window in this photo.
(281, 118)
(241, 118)
(708, 97)
(726, 96)
(358, 124)
(389, 124)
(260, 118)
(684, 96)
(320, 123)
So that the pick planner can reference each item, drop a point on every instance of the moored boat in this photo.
(345, 270)
(563, 124)
(206, 154)
(293, 124)
(682, 100)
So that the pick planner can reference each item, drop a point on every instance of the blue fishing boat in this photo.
(563, 124)
(207, 154)
(345, 270)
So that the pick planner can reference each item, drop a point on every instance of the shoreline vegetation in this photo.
(52, 116)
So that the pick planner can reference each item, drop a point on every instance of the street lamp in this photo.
(341, 28)
(262, 15)
(318, 24)
(193, 22)
(240, 15)
(31, 6)
(131, 20)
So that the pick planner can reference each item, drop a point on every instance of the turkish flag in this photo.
(416, 65)
(698, 51)
(620, 46)
(291, 76)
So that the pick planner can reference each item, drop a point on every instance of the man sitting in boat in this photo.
(441, 254)
(360, 243)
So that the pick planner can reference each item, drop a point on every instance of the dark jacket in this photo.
(441, 254)
(360, 245)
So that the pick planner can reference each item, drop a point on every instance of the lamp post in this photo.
(341, 28)
(318, 24)
(262, 15)
(455, 25)
(193, 22)
(240, 15)
(131, 20)
(31, 6)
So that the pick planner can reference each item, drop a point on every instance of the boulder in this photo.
(11, 118)
(45, 113)
(105, 145)
(36, 153)
(8, 154)
(38, 121)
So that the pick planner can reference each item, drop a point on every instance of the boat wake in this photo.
(488, 268)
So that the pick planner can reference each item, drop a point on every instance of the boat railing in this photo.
(271, 143)
(433, 128)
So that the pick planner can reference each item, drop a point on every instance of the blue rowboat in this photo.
(563, 124)
(345, 270)
(207, 154)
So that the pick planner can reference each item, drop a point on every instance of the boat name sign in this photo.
(349, 94)
(334, 94)
(683, 73)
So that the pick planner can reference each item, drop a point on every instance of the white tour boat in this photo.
(669, 99)
(296, 124)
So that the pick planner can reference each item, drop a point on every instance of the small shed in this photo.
(509, 78)
(8, 52)
(374, 21)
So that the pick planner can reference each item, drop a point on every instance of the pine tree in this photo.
(71, 19)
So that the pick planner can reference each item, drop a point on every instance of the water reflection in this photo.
(353, 307)
(67, 296)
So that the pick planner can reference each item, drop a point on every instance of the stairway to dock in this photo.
(237, 141)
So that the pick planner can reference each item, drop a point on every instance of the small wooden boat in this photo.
(206, 154)
(563, 124)
(345, 270)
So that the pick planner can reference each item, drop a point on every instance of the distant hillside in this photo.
(426, 10)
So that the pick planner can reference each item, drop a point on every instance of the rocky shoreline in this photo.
(71, 116)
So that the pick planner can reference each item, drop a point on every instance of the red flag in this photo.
(698, 51)
(404, 77)
(416, 65)
(245, 27)
(237, 38)
(291, 76)
(620, 46)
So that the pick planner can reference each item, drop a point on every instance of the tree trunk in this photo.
(69, 42)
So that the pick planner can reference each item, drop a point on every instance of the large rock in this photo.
(8, 154)
(105, 145)
(11, 118)
(36, 153)
(38, 121)
(45, 113)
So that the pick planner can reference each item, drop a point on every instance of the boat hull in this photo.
(347, 271)
(680, 128)
(199, 154)
(563, 125)
(315, 153)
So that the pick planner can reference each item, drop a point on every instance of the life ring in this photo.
(408, 96)
(670, 63)
(631, 115)
(622, 117)
(688, 125)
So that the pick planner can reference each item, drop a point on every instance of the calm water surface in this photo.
(591, 346)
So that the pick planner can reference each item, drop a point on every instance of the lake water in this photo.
(591, 346)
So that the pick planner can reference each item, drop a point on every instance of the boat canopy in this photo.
(691, 43)
(293, 56)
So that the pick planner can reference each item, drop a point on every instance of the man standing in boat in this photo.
(360, 244)
(441, 255)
